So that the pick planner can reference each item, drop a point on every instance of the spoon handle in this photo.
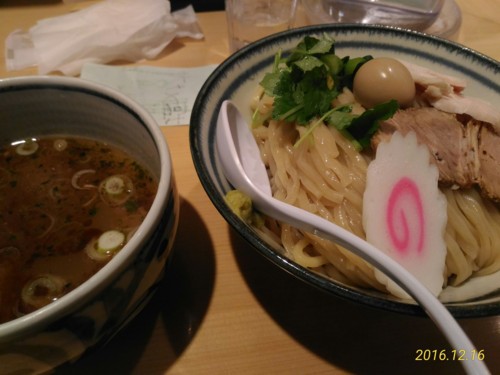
(312, 223)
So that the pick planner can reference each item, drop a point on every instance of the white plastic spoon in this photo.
(243, 167)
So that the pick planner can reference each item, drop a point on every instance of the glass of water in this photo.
(249, 20)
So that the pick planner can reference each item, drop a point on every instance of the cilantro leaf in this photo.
(362, 127)
(269, 82)
(317, 97)
(309, 63)
(284, 100)
(341, 118)
(311, 46)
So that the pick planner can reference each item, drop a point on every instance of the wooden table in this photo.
(223, 309)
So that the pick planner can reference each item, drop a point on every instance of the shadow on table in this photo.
(357, 338)
(179, 306)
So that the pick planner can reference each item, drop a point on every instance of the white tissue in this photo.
(111, 30)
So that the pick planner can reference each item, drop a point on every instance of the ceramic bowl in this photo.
(237, 78)
(93, 312)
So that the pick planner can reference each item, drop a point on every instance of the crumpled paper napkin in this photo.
(111, 30)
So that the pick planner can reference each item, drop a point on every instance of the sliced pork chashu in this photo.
(465, 151)
(488, 176)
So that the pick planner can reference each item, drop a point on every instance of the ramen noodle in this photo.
(326, 175)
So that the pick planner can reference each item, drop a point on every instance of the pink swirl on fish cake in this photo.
(404, 196)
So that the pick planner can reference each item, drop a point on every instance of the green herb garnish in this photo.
(362, 127)
(305, 83)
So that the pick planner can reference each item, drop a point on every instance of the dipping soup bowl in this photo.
(95, 311)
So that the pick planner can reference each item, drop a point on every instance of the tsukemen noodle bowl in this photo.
(342, 142)
(89, 212)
